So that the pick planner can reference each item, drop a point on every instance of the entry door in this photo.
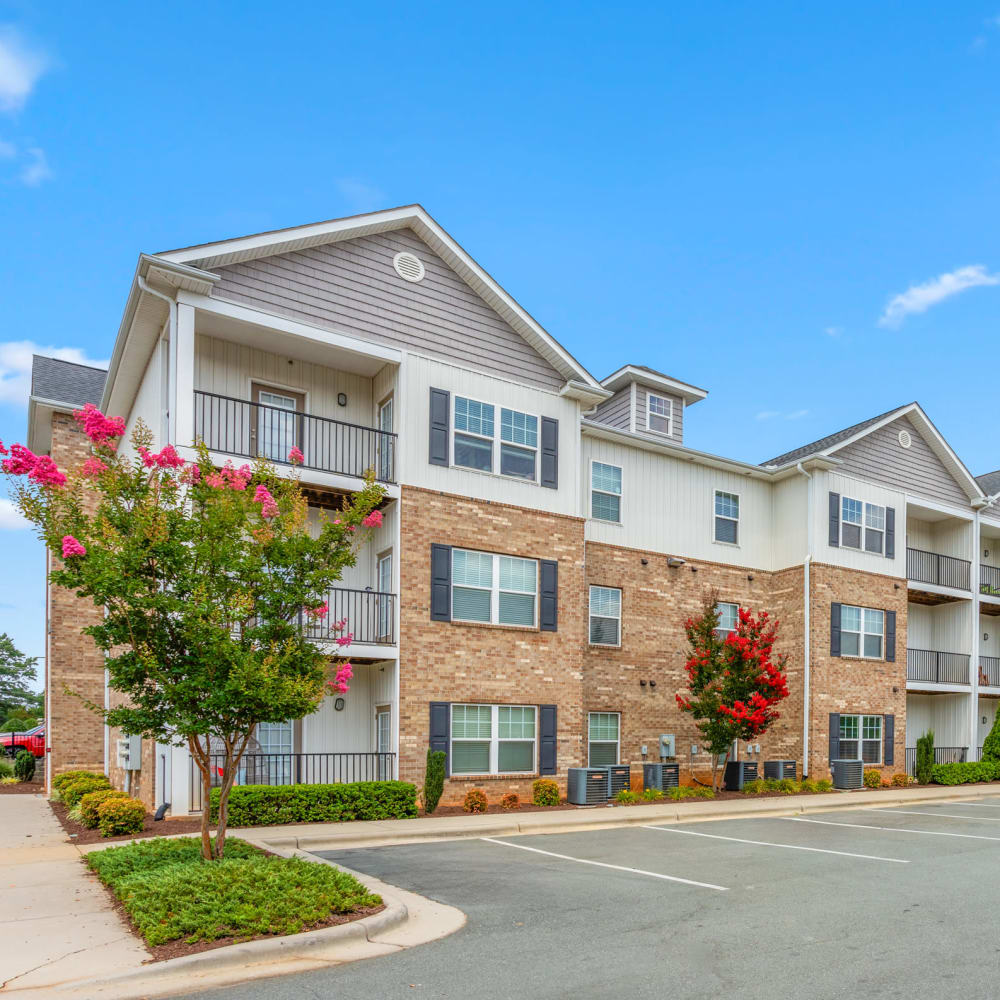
(385, 622)
(275, 767)
(383, 741)
(385, 443)
(276, 422)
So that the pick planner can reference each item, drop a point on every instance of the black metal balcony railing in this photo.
(297, 769)
(989, 671)
(989, 580)
(941, 668)
(943, 571)
(252, 430)
(370, 617)
(942, 755)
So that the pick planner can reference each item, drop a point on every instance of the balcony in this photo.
(933, 667)
(252, 430)
(989, 671)
(937, 571)
(370, 617)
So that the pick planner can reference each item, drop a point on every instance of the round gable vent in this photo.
(904, 439)
(408, 267)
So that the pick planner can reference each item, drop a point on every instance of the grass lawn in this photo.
(171, 894)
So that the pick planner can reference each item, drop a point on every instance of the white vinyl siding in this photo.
(727, 517)
(605, 616)
(493, 739)
(861, 738)
(487, 588)
(605, 492)
(659, 414)
(603, 738)
(862, 632)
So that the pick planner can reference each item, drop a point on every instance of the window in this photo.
(490, 588)
(861, 738)
(605, 616)
(857, 518)
(659, 414)
(276, 421)
(475, 433)
(605, 492)
(729, 616)
(862, 632)
(727, 517)
(274, 766)
(603, 730)
(493, 739)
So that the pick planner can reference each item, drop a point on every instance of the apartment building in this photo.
(545, 533)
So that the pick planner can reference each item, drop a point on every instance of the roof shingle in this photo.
(66, 381)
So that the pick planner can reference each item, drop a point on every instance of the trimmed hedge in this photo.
(961, 774)
(267, 805)
(73, 791)
(91, 802)
(65, 777)
(117, 816)
(24, 765)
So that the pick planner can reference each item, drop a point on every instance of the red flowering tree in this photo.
(208, 579)
(734, 683)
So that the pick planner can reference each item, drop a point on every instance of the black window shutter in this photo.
(889, 736)
(890, 636)
(441, 730)
(546, 739)
(548, 605)
(440, 407)
(890, 532)
(441, 583)
(835, 630)
(835, 519)
(834, 736)
(550, 453)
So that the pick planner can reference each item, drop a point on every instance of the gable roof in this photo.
(989, 483)
(58, 381)
(415, 217)
(651, 377)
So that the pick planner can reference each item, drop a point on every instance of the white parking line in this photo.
(767, 843)
(602, 864)
(888, 829)
(919, 812)
(981, 805)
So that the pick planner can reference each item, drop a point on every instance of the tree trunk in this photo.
(234, 754)
(201, 758)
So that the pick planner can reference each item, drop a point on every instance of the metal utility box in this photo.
(738, 773)
(848, 773)
(619, 777)
(661, 776)
(130, 753)
(587, 786)
(780, 769)
(667, 747)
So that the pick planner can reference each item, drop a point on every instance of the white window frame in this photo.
(617, 742)
(861, 633)
(722, 632)
(495, 739)
(620, 494)
(668, 416)
(590, 615)
(860, 717)
(496, 441)
(862, 525)
(739, 514)
(495, 590)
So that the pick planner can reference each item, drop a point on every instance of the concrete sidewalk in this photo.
(56, 923)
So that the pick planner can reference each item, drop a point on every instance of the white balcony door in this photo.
(385, 443)
(384, 603)
(275, 768)
(383, 740)
(276, 422)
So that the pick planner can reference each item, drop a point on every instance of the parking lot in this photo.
(896, 902)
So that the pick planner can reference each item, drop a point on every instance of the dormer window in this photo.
(659, 414)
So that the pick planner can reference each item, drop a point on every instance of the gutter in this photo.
(172, 341)
(807, 562)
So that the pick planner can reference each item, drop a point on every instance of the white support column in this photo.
(182, 378)
(180, 781)
(974, 658)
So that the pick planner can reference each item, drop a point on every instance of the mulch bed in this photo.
(80, 834)
(23, 788)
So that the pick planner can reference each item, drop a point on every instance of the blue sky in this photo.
(794, 206)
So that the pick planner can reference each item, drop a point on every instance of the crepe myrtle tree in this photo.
(733, 682)
(208, 577)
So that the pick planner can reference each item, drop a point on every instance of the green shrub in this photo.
(171, 894)
(691, 792)
(809, 786)
(24, 765)
(433, 779)
(824, 785)
(755, 787)
(73, 791)
(960, 774)
(18, 725)
(65, 777)
(6, 769)
(545, 792)
(120, 815)
(873, 778)
(475, 801)
(626, 797)
(90, 803)
(788, 786)
(652, 794)
(510, 800)
(266, 805)
(991, 745)
(900, 780)
(925, 758)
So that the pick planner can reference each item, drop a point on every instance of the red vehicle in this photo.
(33, 740)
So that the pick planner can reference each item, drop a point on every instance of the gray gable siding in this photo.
(352, 286)
(616, 411)
(677, 427)
(880, 457)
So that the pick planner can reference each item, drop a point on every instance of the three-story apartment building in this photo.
(545, 533)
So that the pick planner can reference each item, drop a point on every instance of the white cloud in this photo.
(359, 195)
(919, 298)
(10, 517)
(774, 414)
(15, 367)
(37, 169)
(833, 331)
(21, 66)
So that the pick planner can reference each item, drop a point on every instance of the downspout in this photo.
(172, 354)
(805, 618)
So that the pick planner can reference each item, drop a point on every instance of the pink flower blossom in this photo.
(337, 626)
(345, 640)
(22, 460)
(318, 612)
(46, 473)
(97, 426)
(295, 456)
(344, 674)
(3, 450)
(268, 508)
(93, 467)
(373, 520)
(71, 547)
(166, 458)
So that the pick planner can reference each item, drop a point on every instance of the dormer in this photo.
(647, 402)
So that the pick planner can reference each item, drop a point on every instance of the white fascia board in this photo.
(584, 394)
(629, 373)
(40, 412)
